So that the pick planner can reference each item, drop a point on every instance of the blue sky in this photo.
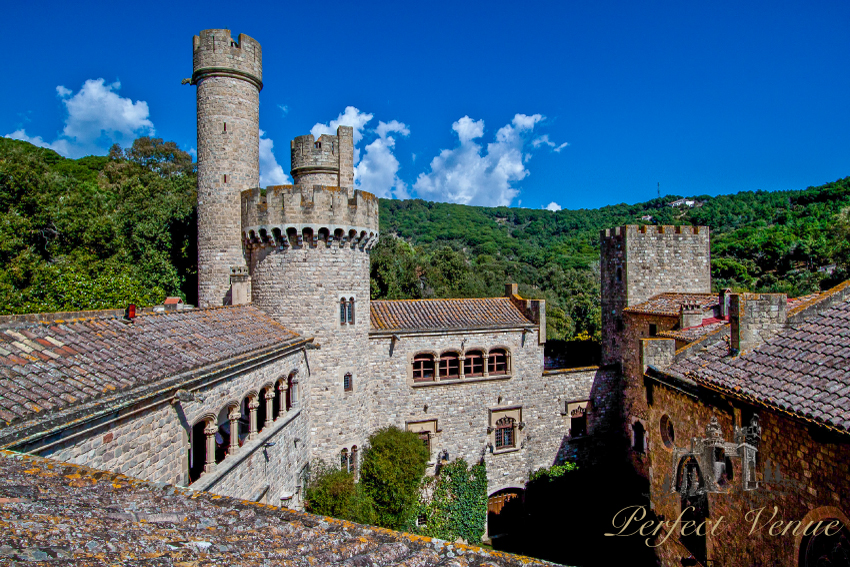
(468, 102)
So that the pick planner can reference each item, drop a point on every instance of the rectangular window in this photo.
(449, 366)
(474, 364)
(653, 329)
(347, 382)
(423, 368)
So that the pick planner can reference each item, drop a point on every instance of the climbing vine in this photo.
(453, 504)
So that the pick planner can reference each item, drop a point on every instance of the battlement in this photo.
(293, 215)
(327, 161)
(635, 230)
(217, 54)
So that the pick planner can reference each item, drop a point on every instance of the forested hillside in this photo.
(101, 232)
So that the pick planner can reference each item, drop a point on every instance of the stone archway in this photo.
(505, 516)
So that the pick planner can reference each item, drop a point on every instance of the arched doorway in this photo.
(505, 515)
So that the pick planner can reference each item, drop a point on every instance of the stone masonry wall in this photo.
(229, 81)
(153, 444)
(462, 409)
(302, 288)
(812, 482)
(755, 317)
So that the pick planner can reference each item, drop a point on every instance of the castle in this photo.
(287, 359)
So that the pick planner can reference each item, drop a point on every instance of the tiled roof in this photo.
(439, 314)
(670, 303)
(53, 366)
(691, 334)
(74, 515)
(803, 370)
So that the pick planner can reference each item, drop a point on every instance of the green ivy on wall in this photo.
(454, 503)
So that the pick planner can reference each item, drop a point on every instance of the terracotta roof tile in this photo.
(75, 515)
(670, 303)
(439, 314)
(105, 354)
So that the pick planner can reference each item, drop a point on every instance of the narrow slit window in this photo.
(225, 127)
(347, 382)
(343, 311)
(351, 311)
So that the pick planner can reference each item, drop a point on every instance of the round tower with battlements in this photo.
(327, 161)
(308, 247)
(229, 75)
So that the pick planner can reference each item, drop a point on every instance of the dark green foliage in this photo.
(97, 232)
(454, 503)
(548, 474)
(391, 472)
(761, 241)
(333, 492)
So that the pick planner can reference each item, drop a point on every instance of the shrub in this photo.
(333, 492)
(391, 472)
(551, 473)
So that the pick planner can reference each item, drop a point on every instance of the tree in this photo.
(391, 472)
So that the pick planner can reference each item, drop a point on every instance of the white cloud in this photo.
(377, 173)
(474, 175)
(545, 141)
(553, 206)
(284, 109)
(271, 173)
(97, 118)
(351, 116)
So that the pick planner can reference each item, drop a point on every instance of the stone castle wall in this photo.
(229, 78)
(812, 481)
(326, 161)
(152, 442)
(640, 262)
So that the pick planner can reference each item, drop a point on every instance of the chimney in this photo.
(511, 289)
(754, 318)
(690, 315)
(724, 302)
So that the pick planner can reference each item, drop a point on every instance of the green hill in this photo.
(101, 232)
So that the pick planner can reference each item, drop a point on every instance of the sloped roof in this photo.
(670, 303)
(72, 514)
(803, 370)
(51, 366)
(443, 314)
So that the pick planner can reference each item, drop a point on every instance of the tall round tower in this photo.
(327, 161)
(308, 248)
(229, 77)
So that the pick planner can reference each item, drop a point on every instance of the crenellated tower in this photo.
(327, 161)
(308, 248)
(229, 76)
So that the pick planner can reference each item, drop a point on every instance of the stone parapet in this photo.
(293, 216)
(216, 53)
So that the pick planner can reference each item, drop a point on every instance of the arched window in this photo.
(278, 403)
(818, 549)
(351, 311)
(473, 365)
(343, 311)
(423, 368)
(449, 366)
(347, 382)
(505, 433)
(639, 435)
(261, 410)
(291, 391)
(343, 459)
(222, 436)
(497, 363)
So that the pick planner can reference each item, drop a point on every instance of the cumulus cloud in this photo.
(377, 173)
(473, 174)
(271, 173)
(545, 141)
(553, 206)
(97, 117)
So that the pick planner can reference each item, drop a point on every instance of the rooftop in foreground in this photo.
(70, 514)
(447, 314)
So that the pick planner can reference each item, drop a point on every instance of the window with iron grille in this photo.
(505, 433)
(423, 368)
(497, 363)
(473, 365)
(347, 382)
(449, 366)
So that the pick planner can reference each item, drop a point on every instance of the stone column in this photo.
(461, 361)
(209, 432)
(252, 408)
(283, 386)
(294, 395)
(234, 416)
(269, 407)
(486, 357)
